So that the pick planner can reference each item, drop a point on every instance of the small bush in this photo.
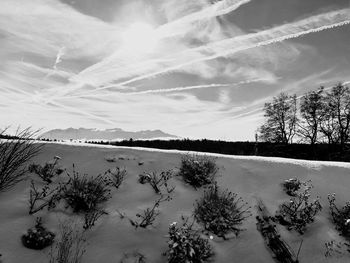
(38, 237)
(221, 212)
(159, 182)
(148, 216)
(340, 216)
(115, 177)
(186, 245)
(46, 172)
(91, 217)
(299, 211)
(70, 246)
(291, 186)
(198, 170)
(47, 196)
(84, 194)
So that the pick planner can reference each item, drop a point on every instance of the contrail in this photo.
(234, 45)
(223, 48)
(167, 30)
(155, 91)
(256, 41)
(218, 9)
(193, 87)
(152, 91)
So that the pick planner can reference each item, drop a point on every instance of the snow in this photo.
(251, 177)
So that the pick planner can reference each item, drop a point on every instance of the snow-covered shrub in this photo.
(291, 186)
(221, 212)
(115, 177)
(84, 194)
(91, 217)
(158, 181)
(48, 196)
(46, 172)
(198, 170)
(148, 216)
(299, 211)
(38, 237)
(340, 216)
(186, 245)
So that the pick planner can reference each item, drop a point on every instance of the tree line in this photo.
(318, 116)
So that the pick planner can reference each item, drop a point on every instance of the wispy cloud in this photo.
(105, 73)
(77, 67)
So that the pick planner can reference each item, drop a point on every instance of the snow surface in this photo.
(251, 177)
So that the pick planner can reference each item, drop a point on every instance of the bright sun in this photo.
(140, 38)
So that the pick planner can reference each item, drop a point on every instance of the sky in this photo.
(193, 68)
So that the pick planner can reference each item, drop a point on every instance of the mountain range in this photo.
(108, 134)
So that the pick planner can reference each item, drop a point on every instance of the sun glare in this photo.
(140, 38)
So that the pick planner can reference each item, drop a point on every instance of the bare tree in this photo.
(335, 123)
(311, 108)
(281, 119)
(15, 152)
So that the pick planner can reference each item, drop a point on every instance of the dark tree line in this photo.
(320, 117)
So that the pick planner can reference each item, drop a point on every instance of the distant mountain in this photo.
(109, 134)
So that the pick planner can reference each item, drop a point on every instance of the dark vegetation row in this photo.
(323, 152)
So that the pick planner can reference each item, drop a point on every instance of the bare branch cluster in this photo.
(158, 181)
(15, 152)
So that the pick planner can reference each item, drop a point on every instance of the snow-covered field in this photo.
(250, 177)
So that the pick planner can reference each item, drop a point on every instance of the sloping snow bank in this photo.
(304, 163)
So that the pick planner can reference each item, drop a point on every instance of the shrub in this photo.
(221, 212)
(91, 217)
(81, 193)
(186, 245)
(340, 216)
(84, 194)
(291, 186)
(158, 181)
(15, 152)
(45, 197)
(299, 211)
(116, 177)
(70, 246)
(46, 172)
(198, 170)
(38, 237)
(148, 216)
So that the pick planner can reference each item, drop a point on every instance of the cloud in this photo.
(42, 26)
(73, 67)
(105, 73)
